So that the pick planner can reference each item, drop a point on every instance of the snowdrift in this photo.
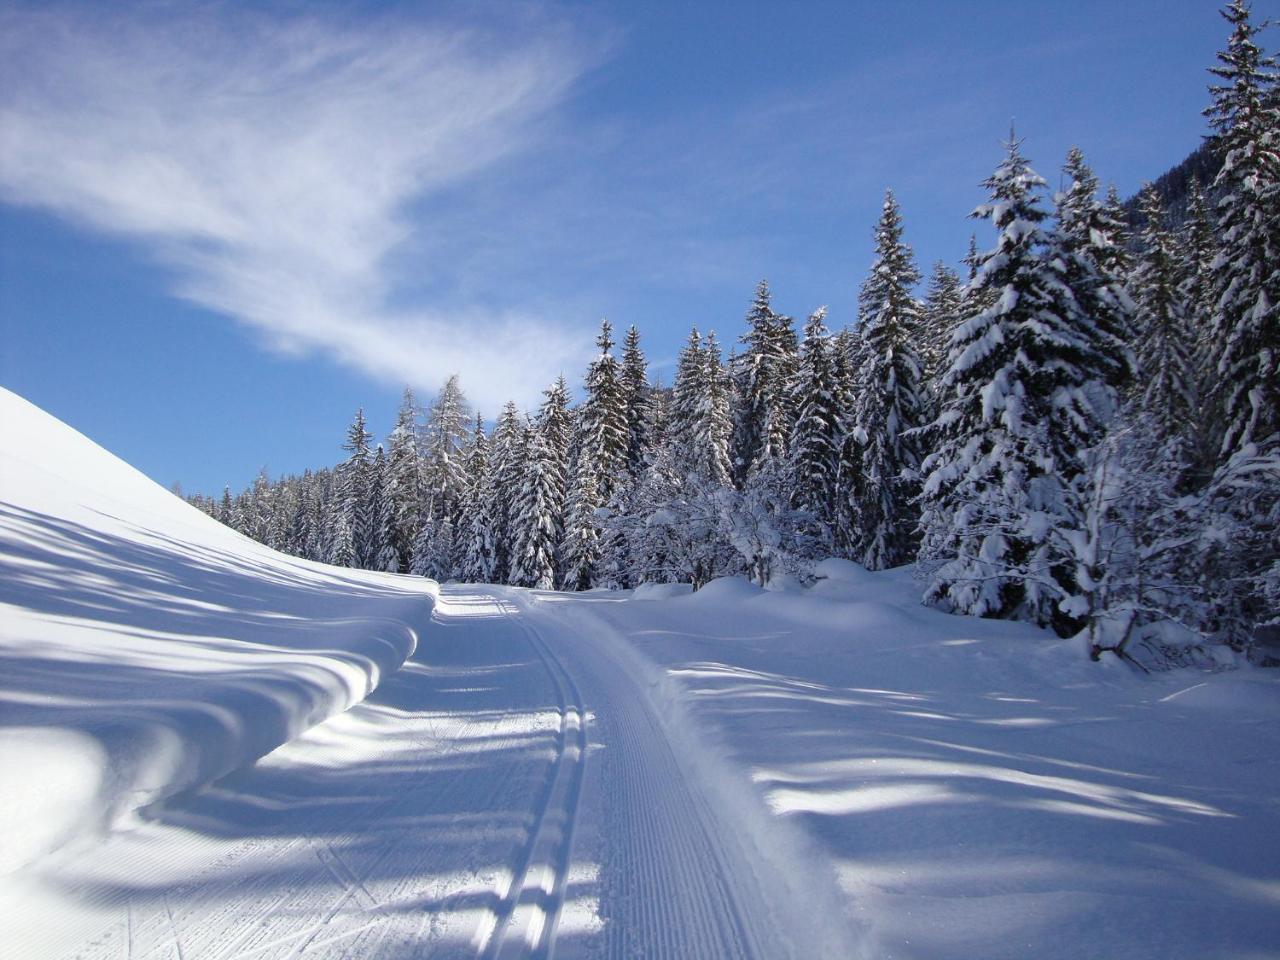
(145, 649)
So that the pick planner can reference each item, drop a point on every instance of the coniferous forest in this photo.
(1079, 427)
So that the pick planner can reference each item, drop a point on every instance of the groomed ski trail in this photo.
(438, 818)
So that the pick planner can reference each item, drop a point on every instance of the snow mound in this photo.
(843, 571)
(727, 588)
(146, 649)
(661, 591)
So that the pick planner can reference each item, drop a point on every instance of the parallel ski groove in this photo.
(528, 916)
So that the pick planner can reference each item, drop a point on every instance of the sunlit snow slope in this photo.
(145, 648)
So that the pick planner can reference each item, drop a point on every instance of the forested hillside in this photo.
(1079, 427)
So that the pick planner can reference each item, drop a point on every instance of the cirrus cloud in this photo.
(272, 161)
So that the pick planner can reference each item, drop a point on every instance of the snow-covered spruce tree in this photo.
(580, 551)
(889, 404)
(1090, 241)
(1166, 391)
(616, 530)
(761, 377)
(404, 473)
(226, 507)
(1243, 497)
(1198, 250)
(536, 520)
(635, 391)
(602, 426)
(444, 440)
(699, 425)
(354, 491)
(433, 550)
(476, 553)
(382, 549)
(342, 551)
(815, 438)
(555, 422)
(713, 427)
(1025, 395)
(943, 306)
(506, 471)
(1246, 319)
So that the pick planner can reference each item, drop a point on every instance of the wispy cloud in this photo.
(272, 160)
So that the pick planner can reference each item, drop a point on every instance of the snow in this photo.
(146, 648)
(982, 789)
(823, 771)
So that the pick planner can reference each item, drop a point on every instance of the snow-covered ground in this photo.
(146, 649)
(982, 789)
(832, 772)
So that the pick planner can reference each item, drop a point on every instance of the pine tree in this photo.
(1025, 395)
(1167, 394)
(581, 547)
(815, 439)
(1243, 496)
(1090, 243)
(537, 519)
(635, 389)
(342, 551)
(603, 422)
(354, 492)
(1246, 317)
(226, 508)
(699, 425)
(476, 561)
(943, 308)
(382, 552)
(444, 475)
(715, 418)
(761, 377)
(889, 404)
(404, 472)
(507, 476)
(683, 411)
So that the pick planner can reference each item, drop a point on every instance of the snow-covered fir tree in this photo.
(1166, 391)
(635, 391)
(580, 552)
(699, 426)
(816, 435)
(761, 377)
(603, 431)
(536, 521)
(382, 551)
(475, 564)
(1246, 318)
(1243, 497)
(888, 406)
(1025, 394)
(444, 439)
(506, 471)
(1090, 242)
(355, 490)
(404, 480)
(943, 308)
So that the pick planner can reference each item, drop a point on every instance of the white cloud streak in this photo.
(272, 160)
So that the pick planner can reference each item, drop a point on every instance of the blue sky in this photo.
(223, 228)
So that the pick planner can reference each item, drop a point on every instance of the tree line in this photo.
(1082, 431)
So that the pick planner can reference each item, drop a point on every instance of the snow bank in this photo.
(146, 649)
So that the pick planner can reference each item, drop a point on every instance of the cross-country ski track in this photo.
(515, 790)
